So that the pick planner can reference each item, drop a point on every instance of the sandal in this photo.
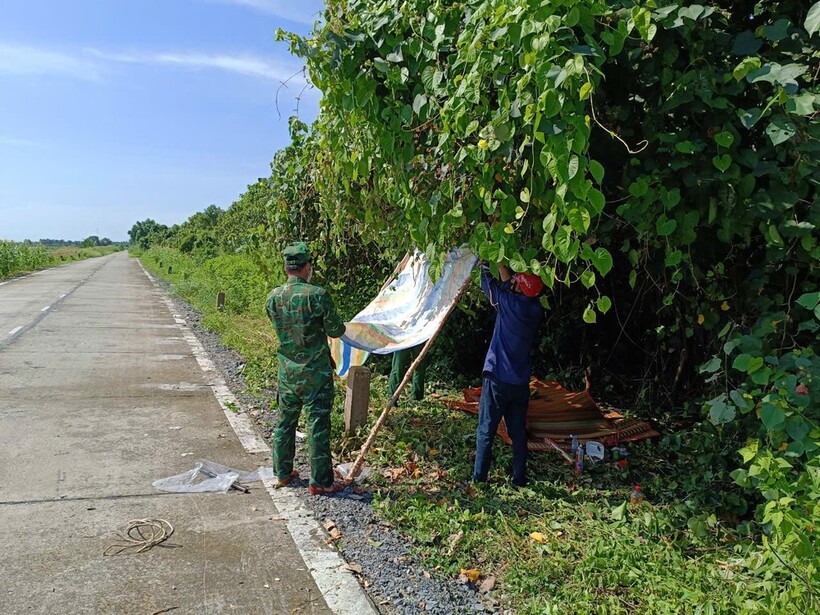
(284, 482)
(330, 490)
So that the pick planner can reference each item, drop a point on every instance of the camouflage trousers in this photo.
(317, 402)
(401, 362)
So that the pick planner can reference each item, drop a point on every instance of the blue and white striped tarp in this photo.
(406, 313)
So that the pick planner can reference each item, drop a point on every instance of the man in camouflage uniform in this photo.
(303, 315)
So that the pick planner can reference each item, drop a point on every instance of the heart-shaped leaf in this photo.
(720, 412)
(722, 162)
(772, 416)
(724, 138)
(749, 117)
(665, 226)
(418, 102)
(596, 200)
(809, 300)
(602, 260)
(638, 188)
(780, 131)
(603, 304)
(812, 22)
(597, 170)
(797, 427)
(579, 219)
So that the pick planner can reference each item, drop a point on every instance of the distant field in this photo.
(17, 258)
(77, 254)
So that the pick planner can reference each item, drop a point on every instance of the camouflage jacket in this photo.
(304, 316)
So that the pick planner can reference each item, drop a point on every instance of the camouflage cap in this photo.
(296, 253)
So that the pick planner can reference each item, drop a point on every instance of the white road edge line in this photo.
(45, 309)
(340, 589)
(15, 330)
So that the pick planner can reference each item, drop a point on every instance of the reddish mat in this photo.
(556, 414)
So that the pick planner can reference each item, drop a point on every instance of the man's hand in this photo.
(504, 272)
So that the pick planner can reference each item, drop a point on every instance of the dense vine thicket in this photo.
(656, 163)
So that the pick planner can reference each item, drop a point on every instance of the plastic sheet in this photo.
(207, 476)
(343, 470)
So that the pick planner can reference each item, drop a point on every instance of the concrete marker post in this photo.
(357, 398)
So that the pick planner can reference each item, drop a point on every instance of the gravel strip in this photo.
(392, 576)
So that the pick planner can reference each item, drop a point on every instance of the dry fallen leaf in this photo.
(453, 539)
(426, 574)
(393, 474)
(329, 524)
(471, 491)
(353, 568)
(433, 452)
(487, 584)
(472, 574)
(538, 537)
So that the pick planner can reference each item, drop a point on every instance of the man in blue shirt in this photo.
(505, 391)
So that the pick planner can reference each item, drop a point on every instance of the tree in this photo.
(144, 233)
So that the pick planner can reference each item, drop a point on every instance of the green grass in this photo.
(66, 254)
(599, 554)
(674, 553)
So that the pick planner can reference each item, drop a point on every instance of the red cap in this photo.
(529, 283)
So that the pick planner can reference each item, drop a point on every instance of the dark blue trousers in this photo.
(508, 401)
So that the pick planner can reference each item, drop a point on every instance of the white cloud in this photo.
(243, 64)
(90, 64)
(298, 11)
(24, 60)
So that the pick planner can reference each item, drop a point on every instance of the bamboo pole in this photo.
(357, 465)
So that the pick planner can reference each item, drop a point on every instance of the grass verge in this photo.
(565, 544)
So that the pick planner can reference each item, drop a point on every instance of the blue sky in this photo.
(113, 111)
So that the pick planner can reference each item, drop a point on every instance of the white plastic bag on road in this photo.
(209, 476)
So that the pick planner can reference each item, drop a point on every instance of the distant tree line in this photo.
(91, 241)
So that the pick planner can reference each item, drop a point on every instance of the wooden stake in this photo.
(357, 465)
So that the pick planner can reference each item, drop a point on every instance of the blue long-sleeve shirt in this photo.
(508, 358)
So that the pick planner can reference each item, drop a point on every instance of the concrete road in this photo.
(100, 396)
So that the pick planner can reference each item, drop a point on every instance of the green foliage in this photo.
(22, 257)
(663, 156)
(145, 233)
(244, 285)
